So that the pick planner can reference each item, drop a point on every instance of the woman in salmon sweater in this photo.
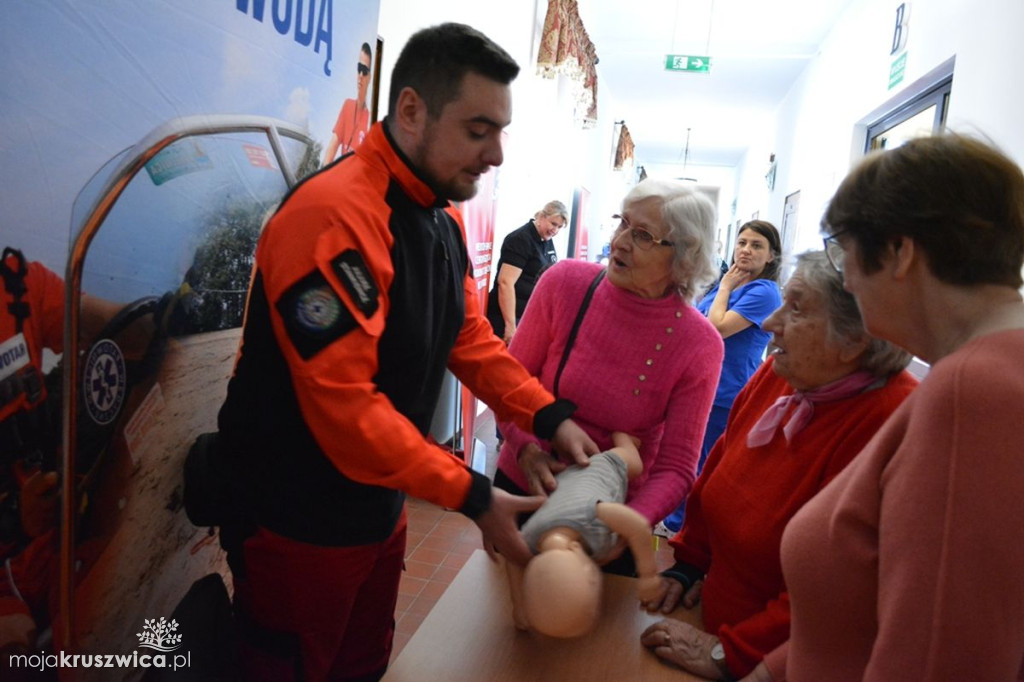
(822, 394)
(909, 565)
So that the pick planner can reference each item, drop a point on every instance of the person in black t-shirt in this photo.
(525, 254)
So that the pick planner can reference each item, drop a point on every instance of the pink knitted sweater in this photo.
(648, 367)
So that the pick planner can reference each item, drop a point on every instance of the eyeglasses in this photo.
(362, 69)
(834, 250)
(641, 237)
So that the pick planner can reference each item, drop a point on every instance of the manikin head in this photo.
(562, 587)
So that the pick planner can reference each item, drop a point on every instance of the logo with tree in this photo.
(159, 635)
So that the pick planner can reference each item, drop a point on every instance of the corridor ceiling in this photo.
(758, 49)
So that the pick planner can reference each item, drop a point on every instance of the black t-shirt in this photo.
(523, 248)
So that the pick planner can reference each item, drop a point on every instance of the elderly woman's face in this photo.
(805, 354)
(647, 273)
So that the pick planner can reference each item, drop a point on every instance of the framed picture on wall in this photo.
(769, 177)
(788, 232)
(789, 216)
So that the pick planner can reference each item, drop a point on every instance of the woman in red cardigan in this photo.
(823, 392)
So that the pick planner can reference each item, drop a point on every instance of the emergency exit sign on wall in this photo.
(687, 62)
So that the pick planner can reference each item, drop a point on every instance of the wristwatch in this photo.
(718, 658)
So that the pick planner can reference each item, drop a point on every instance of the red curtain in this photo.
(565, 48)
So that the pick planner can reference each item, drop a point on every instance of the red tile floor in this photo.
(439, 543)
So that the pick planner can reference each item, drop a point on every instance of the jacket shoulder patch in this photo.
(313, 315)
(351, 269)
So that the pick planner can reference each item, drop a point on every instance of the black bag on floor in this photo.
(204, 616)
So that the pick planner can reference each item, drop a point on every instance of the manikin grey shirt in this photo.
(573, 504)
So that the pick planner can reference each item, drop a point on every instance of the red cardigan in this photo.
(745, 497)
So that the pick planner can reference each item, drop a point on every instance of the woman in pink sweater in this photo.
(645, 361)
(910, 564)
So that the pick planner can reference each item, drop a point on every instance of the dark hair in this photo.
(768, 231)
(367, 51)
(435, 60)
(961, 201)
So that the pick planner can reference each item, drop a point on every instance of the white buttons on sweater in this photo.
(657, 347)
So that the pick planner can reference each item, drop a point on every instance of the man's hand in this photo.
(510, 331)
(573, 443)
(38, 503)
(498, 526)
(539, 468)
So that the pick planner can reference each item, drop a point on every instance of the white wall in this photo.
(819, 127)
(816, 134)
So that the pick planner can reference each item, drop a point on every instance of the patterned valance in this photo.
(624, 149)
(565, 48)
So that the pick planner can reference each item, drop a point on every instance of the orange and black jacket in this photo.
(31, 319)
(363, 295)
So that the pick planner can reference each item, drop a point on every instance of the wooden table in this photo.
(469, 636)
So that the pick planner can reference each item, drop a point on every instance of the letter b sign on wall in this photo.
(899, 34)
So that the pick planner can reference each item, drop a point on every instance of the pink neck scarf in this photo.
(847, 387)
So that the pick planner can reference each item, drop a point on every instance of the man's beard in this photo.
(451, 190)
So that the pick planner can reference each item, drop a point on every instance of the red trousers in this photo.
(333, 608)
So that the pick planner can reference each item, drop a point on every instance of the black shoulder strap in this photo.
(576, 327)
(14, 282)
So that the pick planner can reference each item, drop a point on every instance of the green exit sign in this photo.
(687, 62)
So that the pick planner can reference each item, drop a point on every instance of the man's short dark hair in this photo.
(367, 51)
(435, 60)
(961, 200)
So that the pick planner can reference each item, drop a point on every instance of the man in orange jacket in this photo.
(363, 296)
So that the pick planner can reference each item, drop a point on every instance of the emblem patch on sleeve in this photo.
(313, 315)
(355, 276)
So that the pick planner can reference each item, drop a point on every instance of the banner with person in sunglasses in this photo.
(354, 118)
(88, 80)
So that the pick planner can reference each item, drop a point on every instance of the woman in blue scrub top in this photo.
(747, 294)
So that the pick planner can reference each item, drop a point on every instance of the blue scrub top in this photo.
(744, 351)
